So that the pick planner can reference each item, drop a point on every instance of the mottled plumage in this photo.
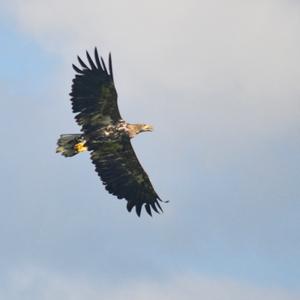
(107, 136)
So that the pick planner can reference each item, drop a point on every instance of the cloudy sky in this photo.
(219, 80)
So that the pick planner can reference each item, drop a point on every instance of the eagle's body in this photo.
(107, 136)
(121, 128)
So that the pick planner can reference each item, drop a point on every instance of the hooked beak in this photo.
(148, 128)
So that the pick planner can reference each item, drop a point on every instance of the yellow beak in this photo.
(148, 128)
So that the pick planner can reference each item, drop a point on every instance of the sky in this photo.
(219, 80)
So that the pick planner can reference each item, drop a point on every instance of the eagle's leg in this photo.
(80, 147)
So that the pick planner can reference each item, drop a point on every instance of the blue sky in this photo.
(219, 82)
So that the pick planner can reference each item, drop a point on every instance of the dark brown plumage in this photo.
(107, 136)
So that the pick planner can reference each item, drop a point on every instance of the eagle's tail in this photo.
(70, 144)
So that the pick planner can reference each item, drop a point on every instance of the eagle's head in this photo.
(134, 129)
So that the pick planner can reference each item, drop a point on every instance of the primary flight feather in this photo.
(107, 136)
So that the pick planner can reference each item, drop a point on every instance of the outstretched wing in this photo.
(94, 99)
(122, 174)
(93, 95)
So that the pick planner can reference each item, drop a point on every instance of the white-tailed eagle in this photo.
(107, 136)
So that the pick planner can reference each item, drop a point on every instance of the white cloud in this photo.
(39, 284)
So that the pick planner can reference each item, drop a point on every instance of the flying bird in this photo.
(107, 136)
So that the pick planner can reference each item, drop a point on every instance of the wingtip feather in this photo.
(103, 64)
(129, 206)
(75, 68)
(154, 207)
(97, 59)
(138, 209)
(148, 209)
(91, 61)
(110, 66)
(82, 63)
(159, 206)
